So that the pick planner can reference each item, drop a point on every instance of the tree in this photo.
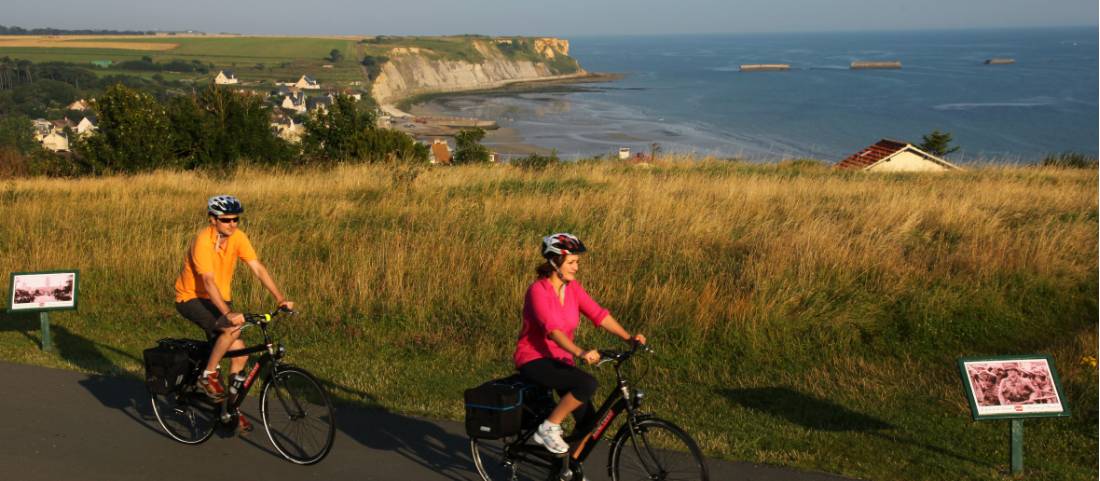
(134, 133)
(937, 143)
(468, 148)
(17, 132)
(335, 55)
(346, 132)
(219, 127)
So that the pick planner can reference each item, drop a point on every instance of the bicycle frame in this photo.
(617, 402)
(270, 359)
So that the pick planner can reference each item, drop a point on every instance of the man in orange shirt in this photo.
(203, 288)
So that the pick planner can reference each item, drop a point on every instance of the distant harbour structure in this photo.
(1000, 61)
(764, 67)
(875, 64)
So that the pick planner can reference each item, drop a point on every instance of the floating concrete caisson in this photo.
(864, 64)
(764, 67)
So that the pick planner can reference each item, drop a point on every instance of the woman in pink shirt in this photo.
(545, 350)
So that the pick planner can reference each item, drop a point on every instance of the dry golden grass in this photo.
(80, 41)
(830, 285)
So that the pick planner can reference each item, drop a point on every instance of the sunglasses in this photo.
(228, 220)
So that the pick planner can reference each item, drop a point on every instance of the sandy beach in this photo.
(507, 141)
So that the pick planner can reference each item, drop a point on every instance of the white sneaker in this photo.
(549, 435)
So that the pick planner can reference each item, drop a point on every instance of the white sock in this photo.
(206, 373)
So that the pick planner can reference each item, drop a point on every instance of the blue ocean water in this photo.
(687, 93)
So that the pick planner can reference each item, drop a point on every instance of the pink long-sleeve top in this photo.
(544, 312)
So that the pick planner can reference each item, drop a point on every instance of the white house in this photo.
(895, 156)
(86, 126)
(56, 141)
(295, 102)
(226, 77)
(288, 130)
(307, 82)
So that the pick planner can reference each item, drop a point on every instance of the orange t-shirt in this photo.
(204, 256)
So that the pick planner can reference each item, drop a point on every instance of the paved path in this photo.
(61, 425)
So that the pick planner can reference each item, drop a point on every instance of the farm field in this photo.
(283, 58)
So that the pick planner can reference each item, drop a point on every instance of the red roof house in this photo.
(888, 155)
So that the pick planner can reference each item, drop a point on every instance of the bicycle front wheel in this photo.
(298, 416)
(657, 450)
(184, 417)
(526, 463)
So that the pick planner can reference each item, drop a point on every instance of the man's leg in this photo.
(207, 316)
(225, 341)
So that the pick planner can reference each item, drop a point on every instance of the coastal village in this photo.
(292, 102)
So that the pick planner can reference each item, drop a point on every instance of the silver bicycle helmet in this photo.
(224, 205)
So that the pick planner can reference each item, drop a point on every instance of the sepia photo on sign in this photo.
(38, 291)
(1010, 387)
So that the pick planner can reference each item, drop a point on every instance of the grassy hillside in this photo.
(800, 316)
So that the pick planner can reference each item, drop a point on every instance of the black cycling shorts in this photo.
(204, 313)
(560, 377)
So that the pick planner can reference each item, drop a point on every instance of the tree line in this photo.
(14, 30)
(43, 90)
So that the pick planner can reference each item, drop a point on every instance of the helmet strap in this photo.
(556, 269)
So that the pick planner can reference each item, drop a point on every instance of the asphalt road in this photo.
(62, 425)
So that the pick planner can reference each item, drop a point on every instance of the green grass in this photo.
(448, 48)
(800, 316)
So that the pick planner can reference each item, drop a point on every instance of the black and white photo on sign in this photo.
(1013, 386)
(43, 291)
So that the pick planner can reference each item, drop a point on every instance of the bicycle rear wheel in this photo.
(298, 416)
(658, 450)
(526, 463)
(184, 417)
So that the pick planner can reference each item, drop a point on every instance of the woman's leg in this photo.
(574, 386)
(566, 405)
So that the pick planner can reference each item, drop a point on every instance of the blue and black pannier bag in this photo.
(495, 409)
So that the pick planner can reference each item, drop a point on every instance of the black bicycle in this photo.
(645, 447)
(296, 411)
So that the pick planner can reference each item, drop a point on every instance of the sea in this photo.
(686, 93)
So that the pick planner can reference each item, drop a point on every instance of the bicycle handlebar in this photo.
(262, 319)
(619, 357)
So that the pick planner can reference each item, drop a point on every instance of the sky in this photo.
(560, 18)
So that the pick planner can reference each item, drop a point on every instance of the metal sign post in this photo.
(1017, 445)
(44, 319)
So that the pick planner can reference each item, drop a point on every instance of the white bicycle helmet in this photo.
(562, 243)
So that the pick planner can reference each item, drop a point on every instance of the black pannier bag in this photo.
(495, 409)
(173, 363)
